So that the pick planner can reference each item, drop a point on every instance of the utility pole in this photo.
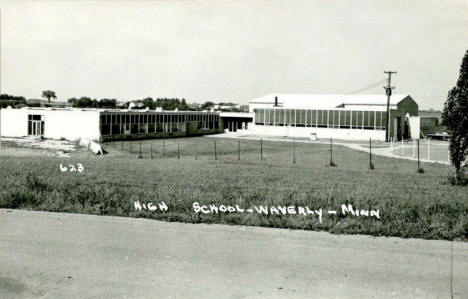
(388, 90)
(1, 77)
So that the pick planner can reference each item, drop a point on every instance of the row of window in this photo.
(156, 118)
(120, 124)
(370, 120)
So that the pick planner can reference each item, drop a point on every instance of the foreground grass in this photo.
(411, 204)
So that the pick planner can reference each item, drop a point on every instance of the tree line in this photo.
(146, 103)
(10, 100)
(106, 103)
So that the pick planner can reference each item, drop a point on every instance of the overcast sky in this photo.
(231, 50)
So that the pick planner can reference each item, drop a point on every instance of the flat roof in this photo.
(108, 110)
(328, 101)
(237, 114)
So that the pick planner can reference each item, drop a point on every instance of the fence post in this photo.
(216, 157)
(420, 169)
(331, 151)
(238, 150)
(178, 149)
(428, 149)
(418, 155)
(196, 150)
(370, 154)
(294, 150)
(151, 151)
(261, 149)
(130, 147)
(139, 156)
(163, 149)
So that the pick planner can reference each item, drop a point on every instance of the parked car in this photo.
(440, 135)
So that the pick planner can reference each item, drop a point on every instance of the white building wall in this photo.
(306, 132)
(13, 122)
(68, 124)
(71, 124)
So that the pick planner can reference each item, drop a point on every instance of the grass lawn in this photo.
(411, 204)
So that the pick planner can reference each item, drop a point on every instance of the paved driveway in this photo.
(55, 255)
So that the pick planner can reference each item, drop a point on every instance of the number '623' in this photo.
(71, 168)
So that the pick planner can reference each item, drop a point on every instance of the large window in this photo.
(116, 123)
(334, 118)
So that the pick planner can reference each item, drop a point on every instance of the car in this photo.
(440, 135)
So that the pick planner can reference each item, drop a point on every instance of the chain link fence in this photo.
(326, 152)
(429, 150)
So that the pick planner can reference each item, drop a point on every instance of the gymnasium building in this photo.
(352, 117)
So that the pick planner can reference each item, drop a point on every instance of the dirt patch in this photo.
(38, 147)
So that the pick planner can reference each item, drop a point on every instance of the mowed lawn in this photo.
(410, 204)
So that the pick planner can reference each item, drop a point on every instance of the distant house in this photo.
(45, 103)
(429, 121)
(227, 107)
(430, 118)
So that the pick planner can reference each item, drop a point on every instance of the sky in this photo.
(232, 50)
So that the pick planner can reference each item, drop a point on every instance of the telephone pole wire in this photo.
(388, 91)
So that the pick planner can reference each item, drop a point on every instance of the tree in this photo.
(207, 105)
(184, 106)
(107, 103)
(455, 116)
(72, 101)
(83, 102)
(10, 100)
(148, 103)
(49, 94)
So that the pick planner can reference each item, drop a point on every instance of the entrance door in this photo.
(37, 128)
(232, 126)
(35, 125)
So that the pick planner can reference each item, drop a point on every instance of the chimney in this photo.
(276, 101)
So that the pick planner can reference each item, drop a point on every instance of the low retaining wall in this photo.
(306, 132)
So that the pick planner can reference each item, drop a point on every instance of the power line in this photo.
(433, 97)
(377, 83)
(411, 64)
